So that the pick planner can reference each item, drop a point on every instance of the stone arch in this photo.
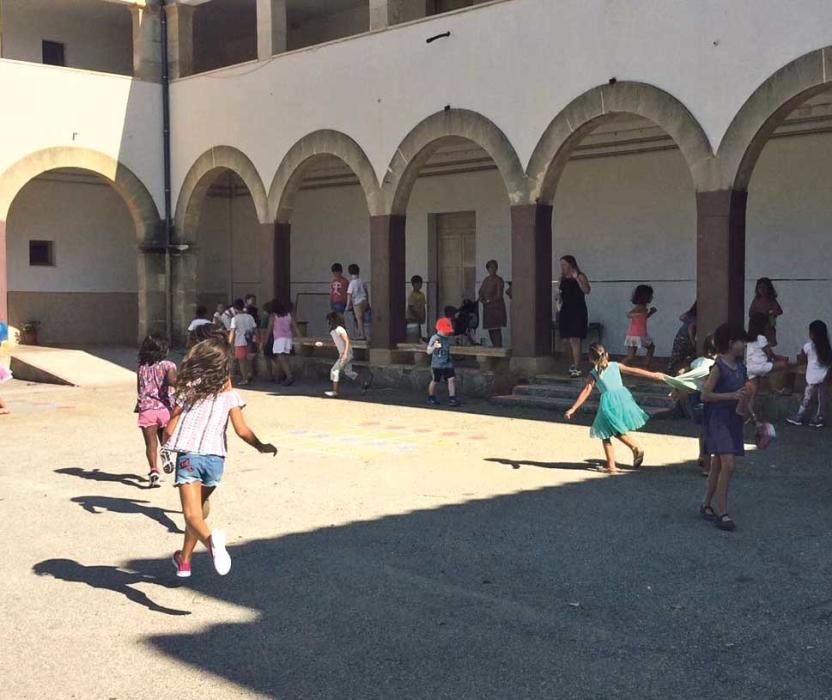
(139, 202)
(200, 178)
(418, 146)
(583, 114)
(326, 142)
(765, 109)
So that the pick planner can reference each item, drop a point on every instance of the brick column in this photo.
(531, 287)
(4, 276)
(272, 28)
(183, 268)
(180, 40)
(152, 303)
(147, 43)
(282, 257)
(720, 259)
(387, 292)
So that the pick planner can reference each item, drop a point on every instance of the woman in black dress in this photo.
(573, 320)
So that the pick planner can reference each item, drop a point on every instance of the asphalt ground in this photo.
(396, 551)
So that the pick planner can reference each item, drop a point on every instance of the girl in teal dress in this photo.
(618, 413)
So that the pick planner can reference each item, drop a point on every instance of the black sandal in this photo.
(708, 513)
(724, 522)
(638, 459)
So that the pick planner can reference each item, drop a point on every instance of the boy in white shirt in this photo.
(358, 299)
(243, 331)
(344, 363)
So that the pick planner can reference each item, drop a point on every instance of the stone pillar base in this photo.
(530, 366)
(382, 356)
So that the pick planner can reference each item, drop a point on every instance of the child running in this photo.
(723, 390)
(817, 354)
(155, 380)
(343, 365)
(618, 413)
(441, 362)
(197, 434)
(637, 336)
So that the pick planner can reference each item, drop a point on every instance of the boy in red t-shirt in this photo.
(338, 289)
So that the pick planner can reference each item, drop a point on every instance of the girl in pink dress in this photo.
(155, 379)
(637, 335)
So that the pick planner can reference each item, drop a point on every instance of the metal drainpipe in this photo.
(166, 161)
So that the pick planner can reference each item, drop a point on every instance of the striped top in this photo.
(201, 427)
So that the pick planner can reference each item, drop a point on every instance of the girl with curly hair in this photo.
(196, 432)
(155, 380)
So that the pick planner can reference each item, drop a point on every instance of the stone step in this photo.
(571, 391)
(640, 387)
(561, 405)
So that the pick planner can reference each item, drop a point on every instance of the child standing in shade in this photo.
(441, 362)
(338, 289)
(242, 333)
(416, 304)
(618, 413)
(817, 354)
(637, 335)
(155, 380)
(358, 299)
(723, 390)
(205, 403)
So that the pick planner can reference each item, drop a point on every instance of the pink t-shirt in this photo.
(283, 327)
(338, 290)
(638, 326)
(154, 389)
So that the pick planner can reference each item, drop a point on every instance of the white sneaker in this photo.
(222, 559)
(155, 480)
(330, 394)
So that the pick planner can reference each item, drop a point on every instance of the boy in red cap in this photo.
(441, 363)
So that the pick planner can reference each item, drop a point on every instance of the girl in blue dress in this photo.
(618, 413)
(723, 390)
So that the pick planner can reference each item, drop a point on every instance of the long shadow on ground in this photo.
(611, 587)
(129, 506)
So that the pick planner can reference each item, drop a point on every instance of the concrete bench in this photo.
(487, 357)
(307, 346)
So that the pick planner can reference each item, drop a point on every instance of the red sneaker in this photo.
(183, 568)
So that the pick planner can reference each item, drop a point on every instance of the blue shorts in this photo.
(338, 306)
(204, 469)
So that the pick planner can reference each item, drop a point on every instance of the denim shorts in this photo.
(204, 469)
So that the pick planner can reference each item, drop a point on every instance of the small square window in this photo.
(53, 53)
(42, 253)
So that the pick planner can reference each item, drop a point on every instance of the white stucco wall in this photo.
(630, 220)
(228, 263)
(115, 115)
(97, 35)
(789, 233)
(517, 62)
(94, 235)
